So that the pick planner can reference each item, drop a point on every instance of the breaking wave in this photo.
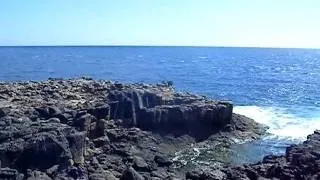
(281, 123)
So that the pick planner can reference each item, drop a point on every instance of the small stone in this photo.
(131, 174)
(43, 112)
(53, 120)
(53, 170)
(77, 173)
(53, 111)
(100, 112)
(2, 113)
(99, 128)
(162, 160)
(118, 85)
(20, 120)
(70, 162)
(101, 141)
(63, 117)
(83, 122)
(95, 161)
(160, 173)
(140, 164)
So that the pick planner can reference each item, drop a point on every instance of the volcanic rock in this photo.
(87, 129)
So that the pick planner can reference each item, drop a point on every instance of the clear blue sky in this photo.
(275, 23)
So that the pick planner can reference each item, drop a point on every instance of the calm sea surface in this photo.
(276, 87)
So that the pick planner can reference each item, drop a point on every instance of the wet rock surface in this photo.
(88, 129)
(300, 162)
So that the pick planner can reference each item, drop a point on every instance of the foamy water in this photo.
(282, 125)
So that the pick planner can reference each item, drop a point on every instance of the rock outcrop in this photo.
(163, 110)
(87, 129)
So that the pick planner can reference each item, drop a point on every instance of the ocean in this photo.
(276, 87)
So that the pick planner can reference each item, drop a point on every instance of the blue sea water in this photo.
(277, 87)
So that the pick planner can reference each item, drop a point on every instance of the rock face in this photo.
(40, 145)
(164, 111)
(86, 129)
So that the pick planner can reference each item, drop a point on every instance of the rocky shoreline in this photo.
(89, 129)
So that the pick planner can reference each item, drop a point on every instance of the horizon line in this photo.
(196, 46)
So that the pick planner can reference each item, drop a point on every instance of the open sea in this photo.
(276, 87)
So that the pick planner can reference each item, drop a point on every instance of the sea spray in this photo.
(284, 130)
(282, 125)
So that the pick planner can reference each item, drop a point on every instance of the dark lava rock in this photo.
(32, 153)
(53, 171)
(152, 111)
(34, 145)
(10, 174)
(77, 146)
(36, 175)
(54, 120)
(86, 129)
(140, 164)
(53, 111)
(83, 122)
(101, 141)
(162, 160)
(100, 112)
(43, 112)
(131, 174)
(99, 128)
(2, 112)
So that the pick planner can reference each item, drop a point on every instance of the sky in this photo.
(248, 23)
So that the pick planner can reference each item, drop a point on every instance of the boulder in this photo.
(40, 145)
(140, 164)
(32, 153)
(98, 128)
(131, 174)
(53, 111)
(43, 112)
(83, 122)
(2, 112)
(77, 144)
(100, 112)
(162, 160)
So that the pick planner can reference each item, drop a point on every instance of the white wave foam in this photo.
(281, 124)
